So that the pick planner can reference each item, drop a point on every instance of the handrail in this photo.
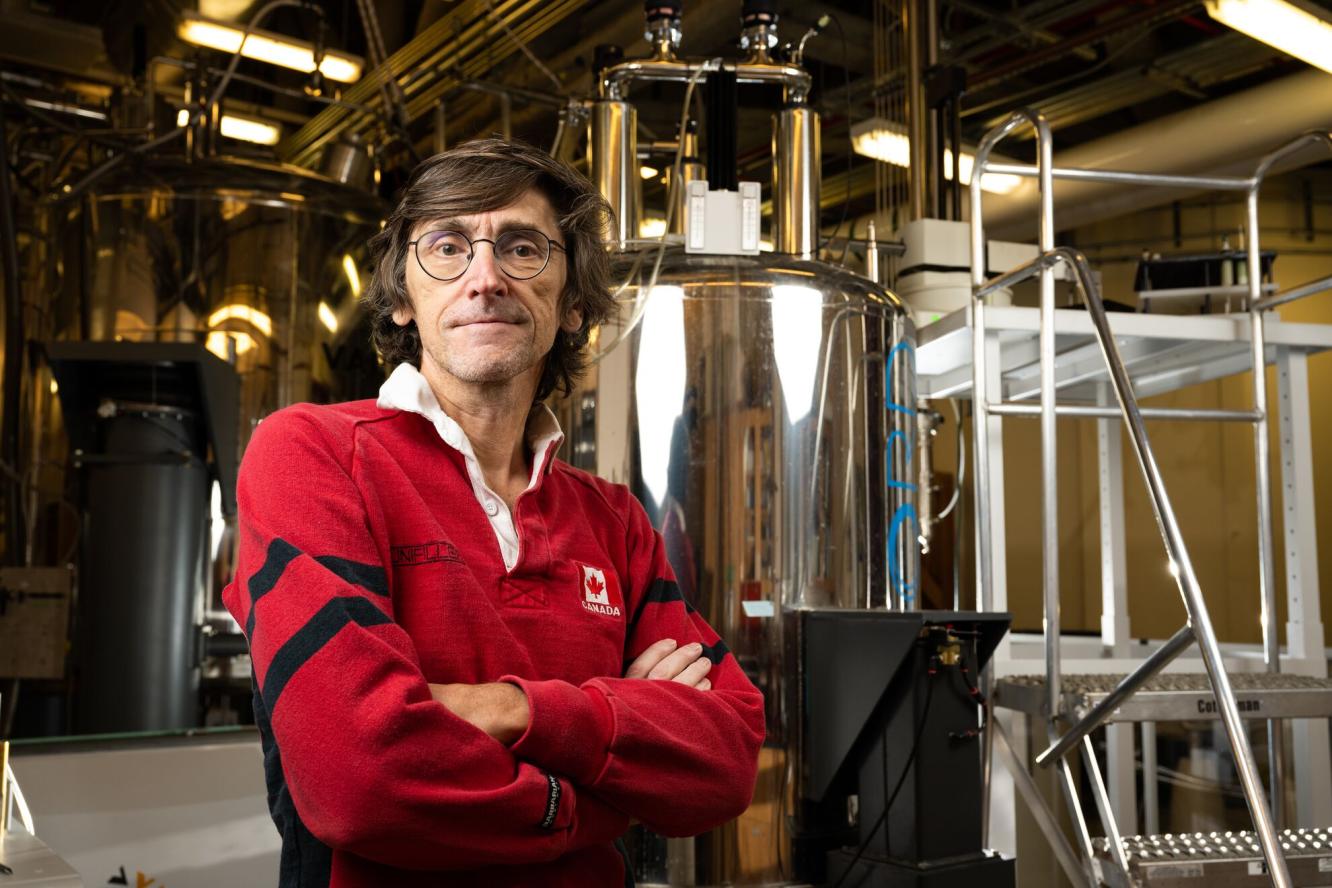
(980, 431)
(1049, 513)
(1091, 411)
(1126, 688)
(1125, 177)
(1181, 567)
(1300, 292)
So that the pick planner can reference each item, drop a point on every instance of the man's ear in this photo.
(403, 316)
(572, 321)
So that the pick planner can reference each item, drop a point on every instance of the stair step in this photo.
(1224, 859)
(1175, 696)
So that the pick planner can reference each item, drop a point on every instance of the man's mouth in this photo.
(484, 321)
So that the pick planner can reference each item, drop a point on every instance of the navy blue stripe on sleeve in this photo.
(311, 638)
(371, 577)
(280, 554)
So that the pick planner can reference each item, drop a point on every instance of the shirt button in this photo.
(492, 508)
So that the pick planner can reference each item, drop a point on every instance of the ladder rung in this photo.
(1020, 408)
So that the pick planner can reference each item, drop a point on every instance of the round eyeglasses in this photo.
(522, 253)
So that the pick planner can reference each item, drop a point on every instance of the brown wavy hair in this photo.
(475, 177)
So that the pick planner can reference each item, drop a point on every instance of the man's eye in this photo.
(523, 251)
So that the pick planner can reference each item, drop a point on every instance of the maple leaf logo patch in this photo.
(596, 592)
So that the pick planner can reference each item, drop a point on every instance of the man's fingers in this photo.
(673, 664)
(651, 656)
(704, 685)
(695, 673)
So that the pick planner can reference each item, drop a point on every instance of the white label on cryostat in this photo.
(759, 609)
(1325, 864)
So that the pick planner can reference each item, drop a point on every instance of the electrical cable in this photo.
(974, 694)
(906, 770)
(643, 293)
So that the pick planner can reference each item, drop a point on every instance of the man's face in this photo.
(485, 327)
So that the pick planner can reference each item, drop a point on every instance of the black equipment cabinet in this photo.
(891, 713)
(151, 425)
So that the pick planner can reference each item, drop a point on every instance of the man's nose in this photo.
(483, 274)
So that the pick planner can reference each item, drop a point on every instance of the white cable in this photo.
(643, 293)
(961, 464)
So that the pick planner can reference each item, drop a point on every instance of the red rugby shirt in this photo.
(368, 568)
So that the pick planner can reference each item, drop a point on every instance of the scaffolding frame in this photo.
(1198, 627)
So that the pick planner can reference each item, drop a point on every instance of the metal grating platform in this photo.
(1161, 353)
(1175, 696)
(1223, 859)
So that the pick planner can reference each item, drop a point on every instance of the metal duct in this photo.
(1223, 137)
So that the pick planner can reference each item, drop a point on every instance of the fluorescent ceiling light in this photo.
(247, 129)
(256, 318)
(887, 142)
(1295, 28)
(353, 276)
(221, 343)
(327, 318)
(266, 46)
(648, 172)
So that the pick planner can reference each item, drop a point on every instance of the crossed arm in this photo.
(501, 709)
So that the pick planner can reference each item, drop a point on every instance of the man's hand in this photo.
(498, 708)
(666, 661)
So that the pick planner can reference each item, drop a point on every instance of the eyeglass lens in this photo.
(446, 254)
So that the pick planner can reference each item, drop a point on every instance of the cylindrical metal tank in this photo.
(613, 157)
(796, 159)
(144, 538)
(260, 263)
(761, 408)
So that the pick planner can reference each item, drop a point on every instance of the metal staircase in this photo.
(1072, 706)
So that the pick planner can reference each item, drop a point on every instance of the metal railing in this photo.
(1199, 626)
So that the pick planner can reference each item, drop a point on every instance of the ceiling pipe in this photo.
(1224, 137)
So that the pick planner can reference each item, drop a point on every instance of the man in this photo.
(472, 663)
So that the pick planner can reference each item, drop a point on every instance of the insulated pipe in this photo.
(796, 162)
(613, 160)
(616, 79)
(1219, 138)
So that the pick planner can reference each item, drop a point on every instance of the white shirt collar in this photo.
(407, 389)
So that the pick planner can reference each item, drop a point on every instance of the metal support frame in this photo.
(1120, 767)
(987, 407)
(1040, 811)
(1304, 629)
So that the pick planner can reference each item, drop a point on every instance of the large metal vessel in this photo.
(258, 264)
(762, 408)
(761, 411)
